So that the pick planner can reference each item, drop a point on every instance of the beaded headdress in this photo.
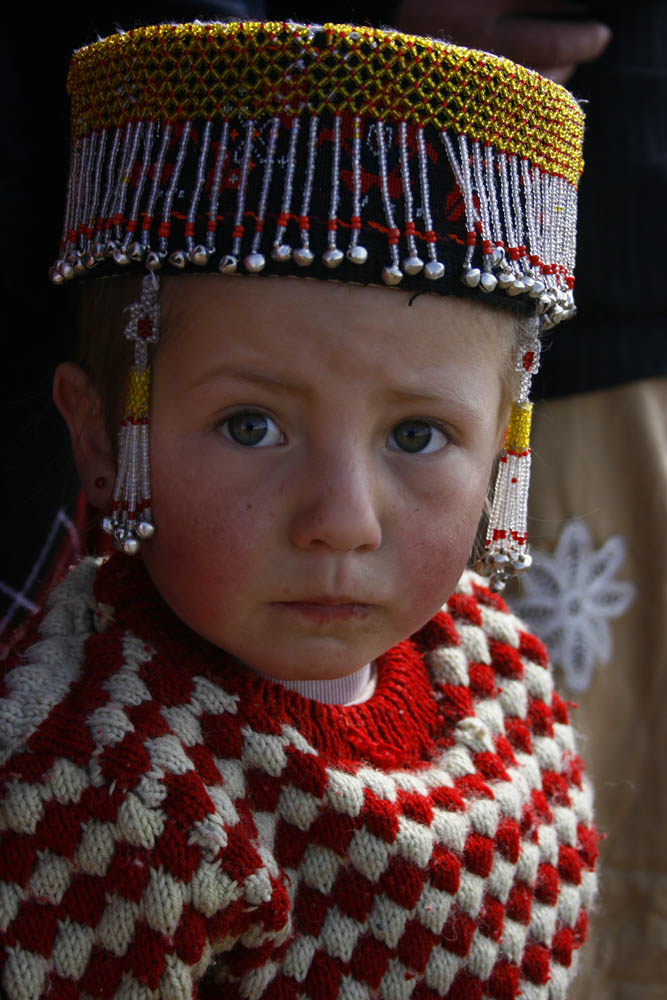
(330, 151)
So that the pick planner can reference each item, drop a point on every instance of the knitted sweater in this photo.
(173, 825)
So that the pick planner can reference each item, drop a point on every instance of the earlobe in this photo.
(80, 406)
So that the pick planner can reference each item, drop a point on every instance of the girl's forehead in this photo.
(310, 335)
(238, 307)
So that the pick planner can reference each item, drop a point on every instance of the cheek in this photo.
(437, 561)
(441, 534)
(210, 536)
(204, 570)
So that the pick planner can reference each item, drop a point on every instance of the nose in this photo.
(339, 506)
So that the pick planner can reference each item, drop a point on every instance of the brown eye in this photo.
(251, 429)
(415, 436)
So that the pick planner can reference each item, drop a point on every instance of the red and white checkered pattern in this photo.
(173, 825)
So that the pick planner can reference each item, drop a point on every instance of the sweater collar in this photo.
(396, 727)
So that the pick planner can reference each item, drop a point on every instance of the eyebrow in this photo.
(246, 375)
(458, 401)
(408, 395)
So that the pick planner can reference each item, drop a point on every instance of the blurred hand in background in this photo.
(551, 36)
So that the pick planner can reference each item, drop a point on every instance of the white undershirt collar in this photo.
(353, 689)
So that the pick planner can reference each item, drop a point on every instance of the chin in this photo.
(315, 664)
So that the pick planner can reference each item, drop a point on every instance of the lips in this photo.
(328, 601)
(325, 609)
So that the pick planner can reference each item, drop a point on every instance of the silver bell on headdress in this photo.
(228, 264)
(199, 256)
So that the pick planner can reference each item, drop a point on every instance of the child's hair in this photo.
(104, 353)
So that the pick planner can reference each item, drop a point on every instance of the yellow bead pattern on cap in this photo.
(181, 72)
(517, 438)
(138, 396)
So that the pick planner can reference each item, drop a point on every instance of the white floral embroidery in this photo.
(568, 598)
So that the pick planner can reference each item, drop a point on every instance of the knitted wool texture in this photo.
(174, 826)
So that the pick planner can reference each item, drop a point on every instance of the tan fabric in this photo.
(602, 457)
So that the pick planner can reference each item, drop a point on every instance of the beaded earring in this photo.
(506, 547)
(131, 517)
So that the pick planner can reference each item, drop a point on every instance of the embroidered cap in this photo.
(330, 151)
(380, 156)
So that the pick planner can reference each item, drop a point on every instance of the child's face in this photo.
(320, 454)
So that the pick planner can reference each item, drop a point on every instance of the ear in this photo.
(81, 408)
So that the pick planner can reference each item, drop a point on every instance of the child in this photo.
(249, 755)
